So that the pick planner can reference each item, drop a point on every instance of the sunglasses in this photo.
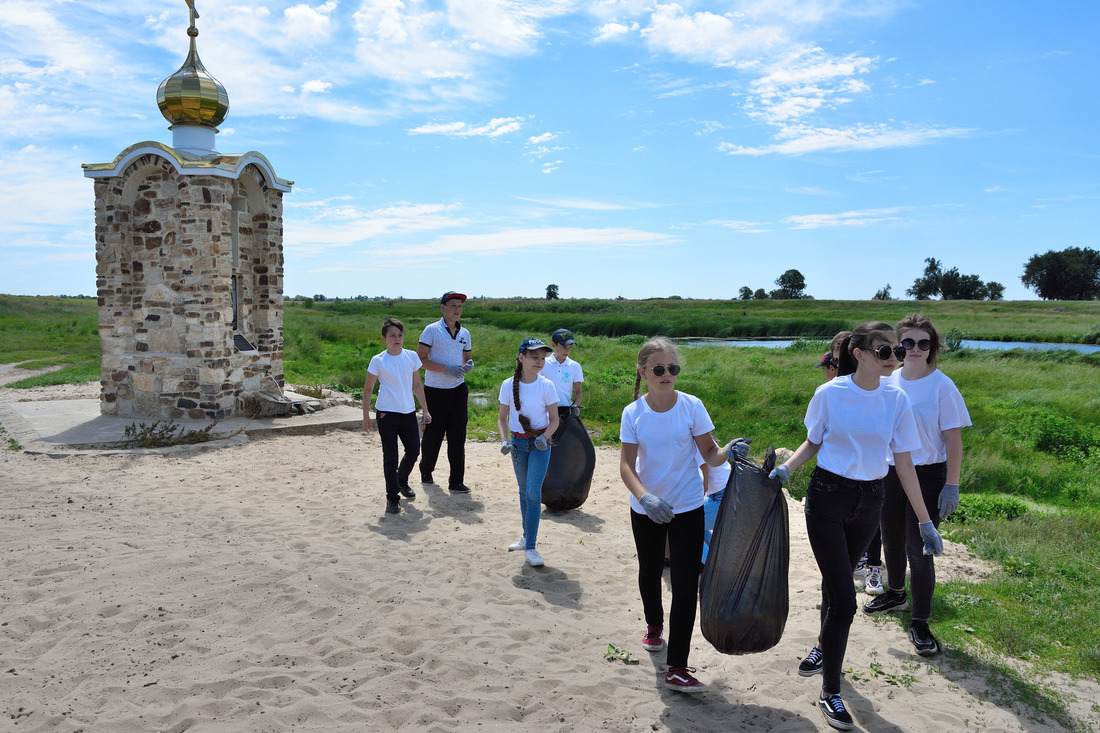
(883, 352)
(659, 369)
(923, 344)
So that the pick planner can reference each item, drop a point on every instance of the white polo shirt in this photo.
(564, 375)
(443, 348)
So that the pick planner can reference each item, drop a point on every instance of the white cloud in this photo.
(745, 227)
(993, 189)
(309, 24)
(708, 37)
(315, 86)
(578, 204)
(801, 139)
(543, 138)
(494, 128)
(611, 31)
(329, 226)
(847, 218)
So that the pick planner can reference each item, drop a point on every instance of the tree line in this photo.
(1071, 274)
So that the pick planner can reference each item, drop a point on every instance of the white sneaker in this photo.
(534, 559)
(519, 544)
(874, 581)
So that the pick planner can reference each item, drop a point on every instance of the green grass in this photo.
(1030, 486)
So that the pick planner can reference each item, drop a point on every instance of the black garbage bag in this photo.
(572, 463)
(743, 599)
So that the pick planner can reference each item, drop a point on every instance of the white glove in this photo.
(656, 508)
(456, 370)
(468, 366)
(505, 447)
(781, 472)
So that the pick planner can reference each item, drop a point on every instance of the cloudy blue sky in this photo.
(611, 147)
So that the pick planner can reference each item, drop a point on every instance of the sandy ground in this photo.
(260, 587)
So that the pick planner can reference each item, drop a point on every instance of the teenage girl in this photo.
(529, 416)
(397, 371)
(941, 415)
(853, 423)
(663, 435)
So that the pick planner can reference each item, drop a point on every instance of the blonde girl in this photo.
(941, 415)
(663, 435)
(528, 416)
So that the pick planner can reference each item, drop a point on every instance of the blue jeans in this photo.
(530, 464)
(710, 513)
(842, 516)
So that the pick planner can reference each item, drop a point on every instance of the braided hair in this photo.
(515, 397)
(649, 348)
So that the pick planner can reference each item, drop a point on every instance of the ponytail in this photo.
(637, 382)
(847, 361)
(516, 378)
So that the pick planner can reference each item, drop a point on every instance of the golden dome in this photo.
(192, 96)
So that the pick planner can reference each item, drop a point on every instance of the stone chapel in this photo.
(189, 264)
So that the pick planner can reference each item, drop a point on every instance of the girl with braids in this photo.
(663, 435)
(854, 423)
(941, 415)
(529, 415)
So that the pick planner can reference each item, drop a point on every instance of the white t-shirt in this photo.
(717, 476)
(395, 378)
(937, 406)
(859, 429)
(668, 459)
(533, 401)
(564, 375)
(444, 349)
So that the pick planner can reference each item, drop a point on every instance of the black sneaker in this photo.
(811, 665)
(832, 707)
(459, 489)
(426, 478)
(891, 600)
(392, 507)
(406, 491)
(922, 638)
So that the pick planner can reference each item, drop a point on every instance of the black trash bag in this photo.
(744, 598)
(572, 463)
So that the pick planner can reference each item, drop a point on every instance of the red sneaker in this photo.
(652, 641)
(679, 678)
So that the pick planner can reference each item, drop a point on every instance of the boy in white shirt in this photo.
(565, 373)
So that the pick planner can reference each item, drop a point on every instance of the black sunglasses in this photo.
(923, 344)
(883, 351)
(659, 369)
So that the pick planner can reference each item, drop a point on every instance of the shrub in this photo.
(984, 506)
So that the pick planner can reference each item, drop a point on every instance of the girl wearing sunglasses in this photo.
(853, 423)
(941, 415)
(663, 434)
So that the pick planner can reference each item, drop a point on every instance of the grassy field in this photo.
(1031, 473)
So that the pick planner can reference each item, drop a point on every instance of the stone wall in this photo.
(164, 274)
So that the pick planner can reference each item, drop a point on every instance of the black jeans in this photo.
(448, 408)
(685, 546)
(394, 426)
(842, 516)
(901, 538)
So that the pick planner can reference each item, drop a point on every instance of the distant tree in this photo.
(551, 292)
(883, 294)
(791, 284)
(319, 298)
(955, 286)
(1072, 274)
(307, 302)
(760, 294)
(994, 290)
(928, 285)
(745, 293)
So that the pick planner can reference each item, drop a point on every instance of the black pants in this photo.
(685, 546)
(394, 426)
(901, 538)
(448, 408)
(841, 518)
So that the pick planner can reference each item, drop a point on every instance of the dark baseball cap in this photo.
(451, 295)
(826, 361)
(532, 344)
(563, 336)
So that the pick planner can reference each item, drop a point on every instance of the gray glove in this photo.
(656, 508)
(574, 411)
(781, 472)
(456, 370)
(949, 499)
(933, 543)
(505, 447)
(468, 366)
(737, 448)
(542, 442)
